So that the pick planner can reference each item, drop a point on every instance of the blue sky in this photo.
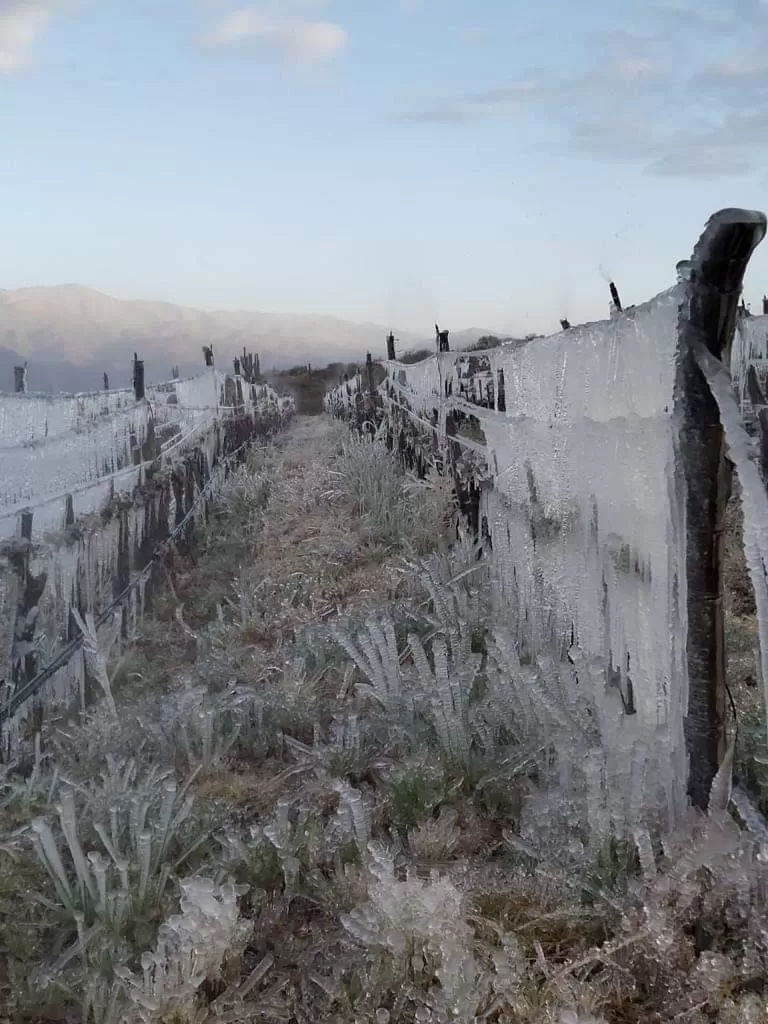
(399, 161)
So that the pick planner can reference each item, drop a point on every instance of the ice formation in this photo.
(577, 442)
(750, 348)
(95, 461)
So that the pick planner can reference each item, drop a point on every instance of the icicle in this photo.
(753, 495)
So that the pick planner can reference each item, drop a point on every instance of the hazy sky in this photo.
(483, 163)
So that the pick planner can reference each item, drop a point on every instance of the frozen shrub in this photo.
(421, 926)
(191, 948)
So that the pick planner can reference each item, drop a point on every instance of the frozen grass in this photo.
(320, 798)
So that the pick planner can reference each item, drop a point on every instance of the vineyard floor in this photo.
(377, 880)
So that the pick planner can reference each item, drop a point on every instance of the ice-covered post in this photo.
(236, 363)
(760, 408)
(20, 379)
(30, 590)
(369, 373)
(174, 373)
(391, 347)
(138, 377)
(708, 312)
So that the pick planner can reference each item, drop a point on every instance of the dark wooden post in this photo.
(391, 347)
(765, 305)
(106, 382)
(20, 379)
(208, 354)
(708, 314)
(615, 296)
(30, 590)
(565, 324)
(138, 377)
(442, 339)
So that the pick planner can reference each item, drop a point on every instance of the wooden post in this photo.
(442, 339)
(138, 377)
(565, 324)
(106, 382)
(20, 379)
(615, 296)
(208, 354)
(708, 314)
(391, 347)
(30, 590)
(501, 403)
(765, 305)
(174, 373)
(369, 373)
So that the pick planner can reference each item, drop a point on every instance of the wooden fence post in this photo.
(708, 314)
(30, 590)
(138, 377)
(106, 382)
(391, 347)
(208, 354)
(20, 379)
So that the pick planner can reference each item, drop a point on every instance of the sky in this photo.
(482, 163)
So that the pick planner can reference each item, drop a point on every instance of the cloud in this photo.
(616, 137)
(643, 97)
(701, 162)
(480, 105)
(712, 17)
(296, 37)
(21, 25)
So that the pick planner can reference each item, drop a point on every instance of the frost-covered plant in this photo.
(435, 841)
(374, 651)
(446, 686)
(22, 793)
(119, 887)
(191, 948)
(394, 507)
(421, 926)
(297, 839)
(455, 581)
(352, 821)
(98, 645)
(367, 474)
(206, 726)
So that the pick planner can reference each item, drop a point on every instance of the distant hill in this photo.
(71, 335)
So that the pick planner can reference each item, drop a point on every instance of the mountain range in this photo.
(70, 336)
